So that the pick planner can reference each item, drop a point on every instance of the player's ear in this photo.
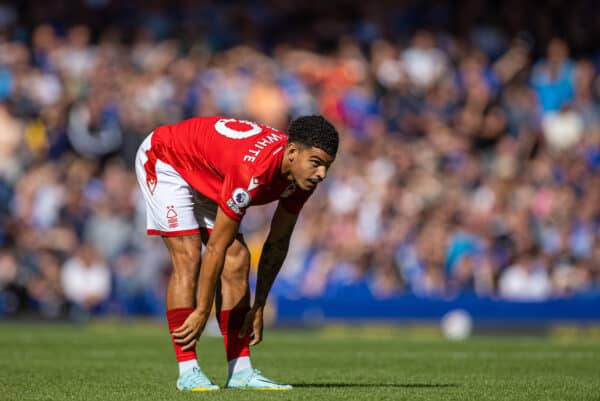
(292, 151)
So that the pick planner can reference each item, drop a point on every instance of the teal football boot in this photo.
(195, 380)
(251, 379)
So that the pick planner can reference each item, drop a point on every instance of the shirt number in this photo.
(222, 128)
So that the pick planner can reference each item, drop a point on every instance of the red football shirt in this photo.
(236, 163)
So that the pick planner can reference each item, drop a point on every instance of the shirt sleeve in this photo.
(296, 200)
(235, 195)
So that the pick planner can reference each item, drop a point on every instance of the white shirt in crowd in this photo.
(83, 283)
(518, 283)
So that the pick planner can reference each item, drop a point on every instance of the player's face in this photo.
(310, 167)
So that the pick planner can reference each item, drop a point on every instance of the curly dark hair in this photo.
(314, 131)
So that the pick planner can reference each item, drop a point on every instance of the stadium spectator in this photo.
(527, 279)
(553, 78)
(86, 280)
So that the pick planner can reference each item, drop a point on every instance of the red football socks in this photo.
(175, 318)
(230, 322)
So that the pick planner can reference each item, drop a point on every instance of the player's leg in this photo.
(169, 209)
(185, 252)
(233, 305)
(232, 298)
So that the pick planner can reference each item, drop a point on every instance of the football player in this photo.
(198, 177)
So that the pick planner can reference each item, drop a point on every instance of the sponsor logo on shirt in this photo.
(172, 218)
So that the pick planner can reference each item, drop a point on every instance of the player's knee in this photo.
(237, 264)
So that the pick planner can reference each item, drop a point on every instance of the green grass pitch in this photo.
(134, 361)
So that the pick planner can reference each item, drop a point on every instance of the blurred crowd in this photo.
(469, 159)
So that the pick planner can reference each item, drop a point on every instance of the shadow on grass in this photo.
(373, 385)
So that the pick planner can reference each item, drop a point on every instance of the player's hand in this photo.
(253, 323)
(188, 333)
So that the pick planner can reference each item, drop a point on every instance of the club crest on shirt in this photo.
(240, 197)
(288, 190)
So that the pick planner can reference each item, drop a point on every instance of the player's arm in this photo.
(273, 254)
(222, 236)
